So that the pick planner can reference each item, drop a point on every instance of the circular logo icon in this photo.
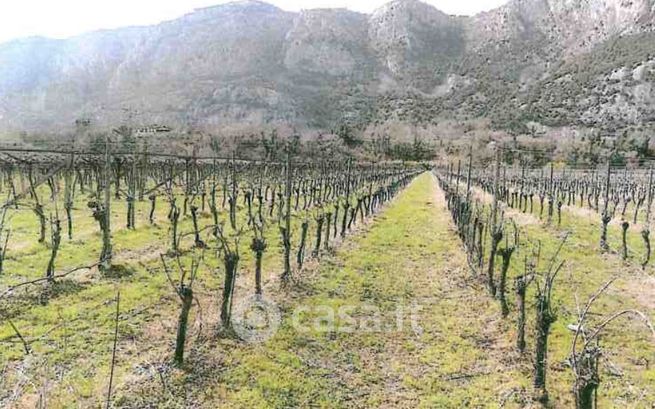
(256, 319)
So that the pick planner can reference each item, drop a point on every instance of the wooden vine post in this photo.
(496, 231)
(645, 233)
(69, 193)
(286, 230)
(347, 202)
(459, 165)
(106, 255)
(605, 217)
(468, 175)
(551, 194)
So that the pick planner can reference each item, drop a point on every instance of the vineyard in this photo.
(123, 276)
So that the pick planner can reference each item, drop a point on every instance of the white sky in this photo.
(65, 18)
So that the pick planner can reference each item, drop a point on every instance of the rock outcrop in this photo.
(547, 61)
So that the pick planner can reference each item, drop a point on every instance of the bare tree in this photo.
(258, 246)
(4, 231)
(55, 241)
(184, 290)
(230, 249)
(545, 317)
(586, 351)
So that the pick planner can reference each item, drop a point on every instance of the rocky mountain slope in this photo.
(550, 62)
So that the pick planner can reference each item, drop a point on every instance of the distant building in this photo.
(82, 123)
(152, 130)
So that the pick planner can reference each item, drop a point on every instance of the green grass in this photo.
(627, 343)
(70, 325)
(463, 356)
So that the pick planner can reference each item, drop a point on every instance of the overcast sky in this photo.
(65, 18)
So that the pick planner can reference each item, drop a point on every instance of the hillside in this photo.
(555, 63)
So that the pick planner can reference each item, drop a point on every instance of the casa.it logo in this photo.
(256, 319)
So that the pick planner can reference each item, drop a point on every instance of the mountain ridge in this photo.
(250, 62)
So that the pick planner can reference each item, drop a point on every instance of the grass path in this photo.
(409, 255)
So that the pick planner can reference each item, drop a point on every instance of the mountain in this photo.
(529, 63)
